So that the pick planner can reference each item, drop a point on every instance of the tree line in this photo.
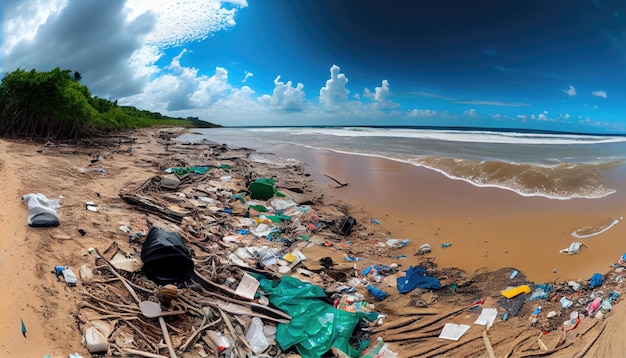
(55, 105)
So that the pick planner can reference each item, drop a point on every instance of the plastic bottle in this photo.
(372, 352)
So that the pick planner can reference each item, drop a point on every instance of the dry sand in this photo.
(409, 202)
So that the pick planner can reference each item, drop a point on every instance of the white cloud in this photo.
(380, 96)
(115, 50)
(286, 97)
(471, 113)
(335, 92)
(571, 91)
(522, 116)
(246, 76)
(542, 117)
(494, 103)
(422, 113)
(599, 94)
(566, 116)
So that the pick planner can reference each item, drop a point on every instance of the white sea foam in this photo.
(456, 136)
(615, 222)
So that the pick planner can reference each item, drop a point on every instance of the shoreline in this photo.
(488, 228)
(49, 308)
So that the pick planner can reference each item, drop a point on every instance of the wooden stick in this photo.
(341, 185)
(141, 353)
(198, 331)
(488, 345)
(166, 336)
(117, 274)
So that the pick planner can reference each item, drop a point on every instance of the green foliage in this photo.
(54, 104)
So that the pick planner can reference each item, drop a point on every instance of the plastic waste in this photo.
(377, 293)
(443, 246)
(513, 274)
(396, 243)
(373, 351)
(95, 341)
(533, 317)
(375, 221)
(42, 212)
(565, 303)
(416, 277)
(315, 326)
(256, 338)
(596, 280)
(85, 273)
(594, 305)
(573, 248)
(350, 258)
(512, 292)
(68, 275)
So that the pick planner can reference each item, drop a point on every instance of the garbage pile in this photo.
(217, 270)
(236, 256)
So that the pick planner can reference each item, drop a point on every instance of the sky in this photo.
(529, 64)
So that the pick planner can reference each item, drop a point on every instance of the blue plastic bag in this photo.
(416, 277)
(377, 293)
(596, 280)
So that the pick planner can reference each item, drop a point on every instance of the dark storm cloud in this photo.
(91, 37)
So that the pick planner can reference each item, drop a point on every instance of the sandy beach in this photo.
(490, 231)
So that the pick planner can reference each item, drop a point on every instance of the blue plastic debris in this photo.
(377, 293)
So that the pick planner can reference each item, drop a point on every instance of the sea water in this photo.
(531, 163)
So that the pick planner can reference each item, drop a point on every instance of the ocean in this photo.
(553, 165)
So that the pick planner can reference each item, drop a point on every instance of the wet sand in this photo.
(488, 227)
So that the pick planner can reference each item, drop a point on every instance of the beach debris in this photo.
(397, 243)
(487, 317)
(444, 245)
(596, 280)
(377, 293)
(415, 277)
(374, 221)
(453, 331)
(424, 249)
(165, 257)
(23, 328)
(513, 274)
(533, 317)
(346, 225)
(340, 184)
(91, 206)
(263, 189)
(241, 297)
(573, 248)
(170, 181)
(42, 212)
(514, 291)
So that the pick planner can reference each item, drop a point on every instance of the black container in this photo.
(165, 257)
(345, 226)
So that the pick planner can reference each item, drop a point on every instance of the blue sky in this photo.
(535, 64)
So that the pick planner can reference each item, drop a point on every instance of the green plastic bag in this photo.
(315, 326)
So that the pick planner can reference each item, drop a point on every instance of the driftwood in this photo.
(341, 185)
(147, 204)
(137, 352)
(197, 332)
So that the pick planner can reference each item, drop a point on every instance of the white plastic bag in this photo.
(255, 336)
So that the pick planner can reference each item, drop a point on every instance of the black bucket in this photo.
(165, 257)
